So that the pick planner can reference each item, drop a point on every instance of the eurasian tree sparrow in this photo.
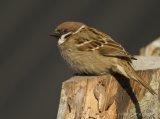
(89, 51)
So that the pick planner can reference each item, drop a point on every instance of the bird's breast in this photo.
(86, 62)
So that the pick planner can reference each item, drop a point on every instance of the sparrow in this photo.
(90, 51)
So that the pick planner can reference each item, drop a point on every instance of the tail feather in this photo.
(130, 73)
(146, 85)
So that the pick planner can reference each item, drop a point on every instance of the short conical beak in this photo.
(55, 34)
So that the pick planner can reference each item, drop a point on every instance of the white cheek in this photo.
(61, 40)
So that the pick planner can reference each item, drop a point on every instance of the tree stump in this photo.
(152, 49)
(112, 97)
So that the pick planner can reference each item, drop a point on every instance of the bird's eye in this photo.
(58, 30)
(65, 30)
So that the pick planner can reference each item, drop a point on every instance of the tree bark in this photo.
(112, 97)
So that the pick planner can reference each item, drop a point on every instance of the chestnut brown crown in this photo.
(66, 27)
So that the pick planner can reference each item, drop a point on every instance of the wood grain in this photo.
(112, 97)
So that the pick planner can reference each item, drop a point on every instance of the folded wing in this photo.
(103, 44)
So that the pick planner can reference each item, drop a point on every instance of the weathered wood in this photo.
(152, 49)
(108, 97)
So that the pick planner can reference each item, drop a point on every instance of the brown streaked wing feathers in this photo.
(90, 46)
(104, 44)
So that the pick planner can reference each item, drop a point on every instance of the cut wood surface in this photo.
(152, 49)
(108, 97)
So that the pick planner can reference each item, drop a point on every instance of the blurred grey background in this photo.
(31, 68)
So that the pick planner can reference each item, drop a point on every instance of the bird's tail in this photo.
(146, 85)
(131, 74)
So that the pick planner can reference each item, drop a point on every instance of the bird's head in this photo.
(66, 29)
